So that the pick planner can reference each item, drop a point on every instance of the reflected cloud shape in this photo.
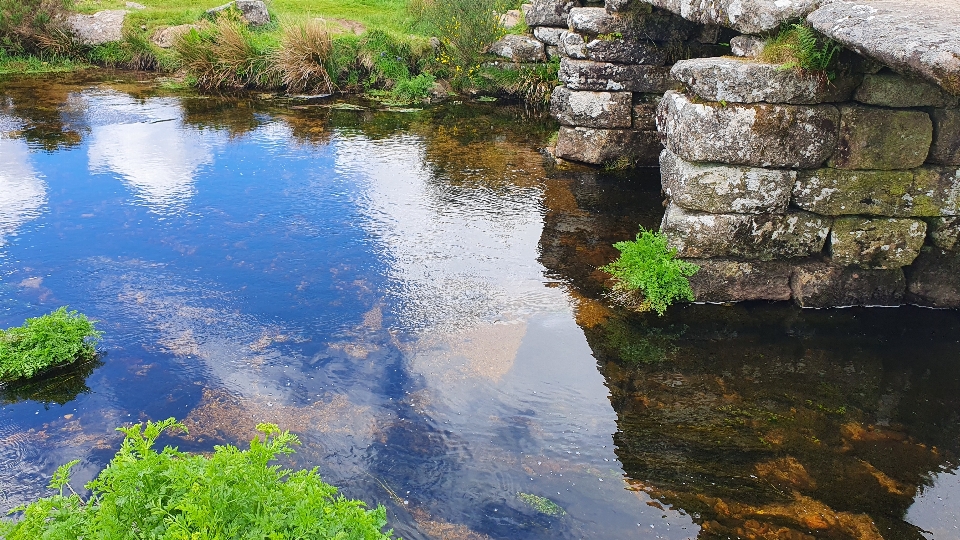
(157, 157)
(22, 193)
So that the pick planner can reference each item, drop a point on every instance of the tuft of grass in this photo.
(649, 268)
(800, 48)
(32, 64)
(541, 504)
(25, 25)
(228, 55)
(300, 60)
(232, 493)
(530, 84)
(42, 343)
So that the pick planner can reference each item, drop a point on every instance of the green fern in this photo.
(649, 267)
(799, 47)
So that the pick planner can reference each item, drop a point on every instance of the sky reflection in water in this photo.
(416, 296)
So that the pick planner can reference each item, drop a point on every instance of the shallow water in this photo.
(415, 295)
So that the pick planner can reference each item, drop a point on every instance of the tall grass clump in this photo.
(466, 29)
(530, 84)
(232, 494)
(800, 48)
(31, 26)
(46, 342)
(300, 61)
(227, 55)
(648, 276)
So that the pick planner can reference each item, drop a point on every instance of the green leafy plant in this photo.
(648, 269)
(46, 342)
(466, 29)
(799, 47)
(232, 494)
(26, 26)
(541, 504)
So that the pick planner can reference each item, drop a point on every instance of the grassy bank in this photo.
(383, 48)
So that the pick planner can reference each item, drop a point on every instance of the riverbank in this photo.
(386, 49)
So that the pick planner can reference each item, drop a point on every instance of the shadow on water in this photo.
(416, 295)
(764, 420)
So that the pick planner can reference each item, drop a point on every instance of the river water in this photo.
(415, 294)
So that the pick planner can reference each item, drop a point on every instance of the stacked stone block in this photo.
(784, 185)
(613, 71)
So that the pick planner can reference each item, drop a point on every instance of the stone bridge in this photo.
(781, 185)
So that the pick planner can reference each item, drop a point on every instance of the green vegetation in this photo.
(542, 504)
(800, 48)
(650, 269)
(644, 344)
(232, 494)
(46, 342)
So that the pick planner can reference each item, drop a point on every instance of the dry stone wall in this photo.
(614, 68)
(788, 185)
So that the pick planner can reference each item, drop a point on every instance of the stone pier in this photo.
(614, 68)
(783, 184)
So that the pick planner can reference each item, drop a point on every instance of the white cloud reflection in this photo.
(22, 193)
(157, 157)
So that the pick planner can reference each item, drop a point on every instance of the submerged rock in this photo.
(592, 109)
(820, 284)
(759, 135)
(884, 139)
(720, 189)
(745, 81)
(934, 279)
(99, 28)
(748, 236)
(876, 243)
(604, 76)
(727, 280)
(927, 191)
(607, 146)
(519, 48)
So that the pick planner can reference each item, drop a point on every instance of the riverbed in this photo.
(415, 294)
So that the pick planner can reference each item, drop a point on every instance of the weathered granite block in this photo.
(946, 137)
(746, 236)
(920, 192)
(656, 26)
(883, 139)
(934, 279)
(819, 284)
(943, 232)
(549, 12)
(723, 189)
(592, 109)
(876, 243)
(746, 81)
(728, 280)
(617, 50)
(888, 89)
(745, 16)
(101, 27)
(519, 48)
(746, 46)
(759, 135)
(549, 35)
(603, 146)
(602, 76)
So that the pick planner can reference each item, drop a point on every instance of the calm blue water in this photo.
(415, 295)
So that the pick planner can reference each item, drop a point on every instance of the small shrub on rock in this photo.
(800, 48)
(46, 342)
(648, 276)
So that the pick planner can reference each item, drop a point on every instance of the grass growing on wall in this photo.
(231, 494)
(800, 48)
(649, 275)
(46, 342)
